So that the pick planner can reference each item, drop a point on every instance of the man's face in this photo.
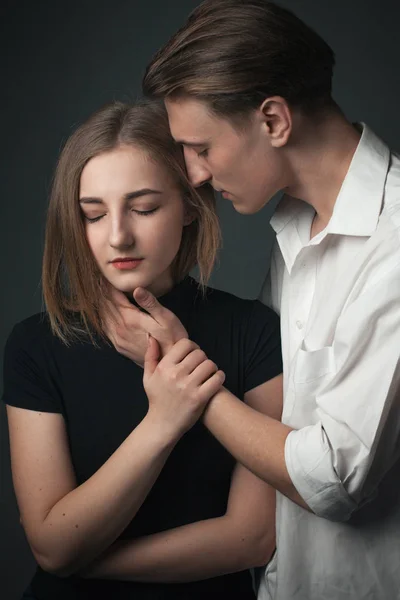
(240, 163)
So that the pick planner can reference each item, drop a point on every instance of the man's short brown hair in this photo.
(233, 54)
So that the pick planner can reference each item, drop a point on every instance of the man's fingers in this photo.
(179, 351)
(193, 360)
(213, 385)
(151, 357)
(204, 371)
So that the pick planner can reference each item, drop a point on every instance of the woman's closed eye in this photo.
(143, 213)
(92, 219)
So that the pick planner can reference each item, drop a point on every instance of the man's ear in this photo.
(277, 120)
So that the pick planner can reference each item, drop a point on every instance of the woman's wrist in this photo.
(164, 435)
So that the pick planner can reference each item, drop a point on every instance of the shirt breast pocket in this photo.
(312, 369)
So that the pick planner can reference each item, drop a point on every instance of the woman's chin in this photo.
(157, 285)
(128, 285)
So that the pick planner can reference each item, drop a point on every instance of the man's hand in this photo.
(179, 386)
(128, 328)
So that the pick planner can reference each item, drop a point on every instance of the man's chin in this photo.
(245, 209)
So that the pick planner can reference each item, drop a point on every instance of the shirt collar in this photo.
(357, 207)
(359, 203)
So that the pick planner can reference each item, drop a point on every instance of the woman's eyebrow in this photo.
(128, 196)
(139, 193)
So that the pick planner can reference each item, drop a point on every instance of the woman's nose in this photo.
(121, 234)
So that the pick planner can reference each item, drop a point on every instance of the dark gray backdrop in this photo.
(62, 61)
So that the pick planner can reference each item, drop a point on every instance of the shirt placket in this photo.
(302, 282)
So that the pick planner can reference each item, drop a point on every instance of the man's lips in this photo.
(223, 193)
(126, 263)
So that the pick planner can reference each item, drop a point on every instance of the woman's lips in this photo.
(126, 264)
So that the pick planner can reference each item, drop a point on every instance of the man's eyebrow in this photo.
(128, 196)
(193, 144)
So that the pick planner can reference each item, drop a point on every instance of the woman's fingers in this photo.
(120, 300)
(165, 318)
(150, 304)
(127, 326)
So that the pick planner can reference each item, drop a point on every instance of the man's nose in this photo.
(198, 173)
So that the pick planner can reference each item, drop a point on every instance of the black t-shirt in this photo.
(100, 394)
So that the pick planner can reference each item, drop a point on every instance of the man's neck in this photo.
(320, 156)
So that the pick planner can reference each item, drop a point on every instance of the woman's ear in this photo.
(188, 219)
(188, 216)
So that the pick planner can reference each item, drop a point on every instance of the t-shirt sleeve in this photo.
(263, 354)
(27, 379)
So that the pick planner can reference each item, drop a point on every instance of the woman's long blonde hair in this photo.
(73, 285)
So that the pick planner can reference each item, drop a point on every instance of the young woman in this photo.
(118, 498)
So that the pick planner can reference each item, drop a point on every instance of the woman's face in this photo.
(134, 216)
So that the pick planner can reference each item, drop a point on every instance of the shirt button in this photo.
(299, 324)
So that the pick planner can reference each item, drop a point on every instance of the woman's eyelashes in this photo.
(203, 153)
(143, 213)
(92, 219)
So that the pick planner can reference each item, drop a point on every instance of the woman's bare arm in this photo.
(69, 526)
(242, 538)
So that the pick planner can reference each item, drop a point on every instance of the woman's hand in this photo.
(180, 385)
(128, 327)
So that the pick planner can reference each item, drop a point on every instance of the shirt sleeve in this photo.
(271, 289)
(337, 464)
(28, 382)
(263, 355)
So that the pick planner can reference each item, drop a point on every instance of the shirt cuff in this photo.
(308, 457)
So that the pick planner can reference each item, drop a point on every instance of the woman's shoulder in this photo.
(37, 330)
(226, 304)
(31, 341)
(31, 329)
(35, 337)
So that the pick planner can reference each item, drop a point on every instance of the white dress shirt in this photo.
(338, 295)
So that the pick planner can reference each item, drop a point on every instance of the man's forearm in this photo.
(254, 439)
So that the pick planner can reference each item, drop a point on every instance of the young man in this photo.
(247, 87)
